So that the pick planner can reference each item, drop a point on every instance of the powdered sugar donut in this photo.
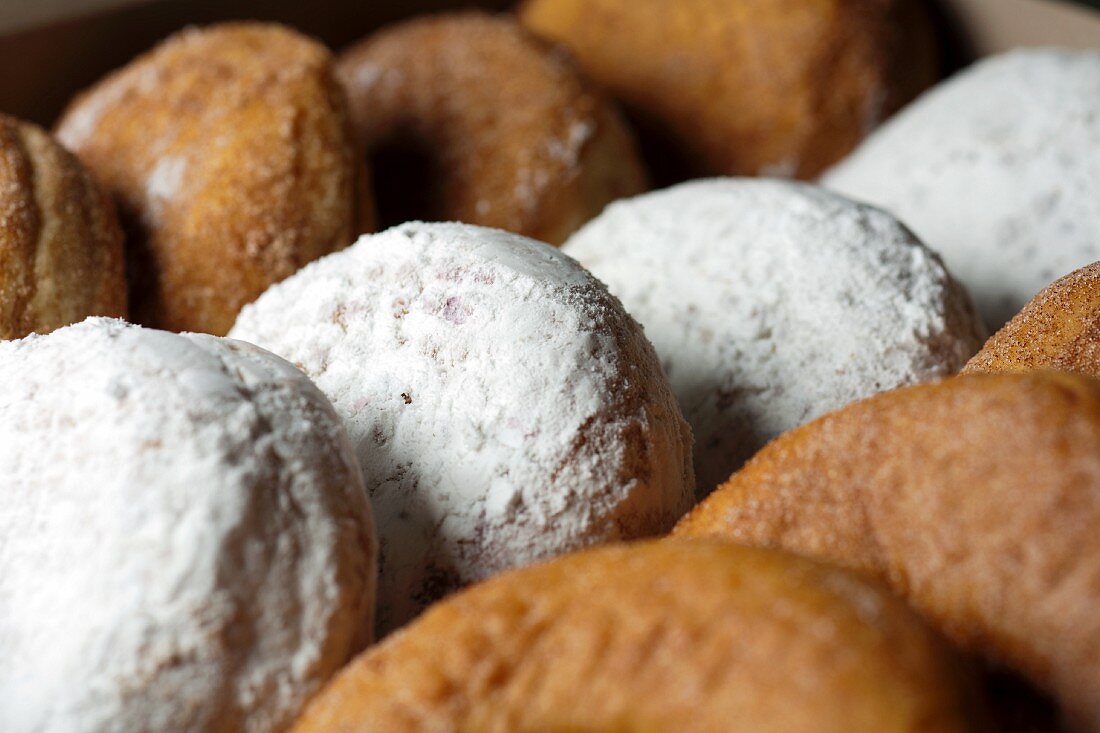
(997, 171)
(503, 406)
(187, 545)
(771, 303)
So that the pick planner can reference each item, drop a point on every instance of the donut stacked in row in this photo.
(237, 154)
(198, 534)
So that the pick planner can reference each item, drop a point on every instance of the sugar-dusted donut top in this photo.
(997, 170)
(771, 303)
(503, 405)
(186, 544)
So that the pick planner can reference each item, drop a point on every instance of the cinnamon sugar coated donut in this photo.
(470, 119)
(60, 243)
(1058, 329)
(977, 499)
(229, 152)
(187, 545)
(748, 86)
(996, 170)
(503, 406)
(690, 637)
(771, 303)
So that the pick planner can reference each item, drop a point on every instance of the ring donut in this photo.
(747, 87)
(60, 243)
(229, 152)
(468, 118)
(1058, 329)
(660, 636)
(977, 499)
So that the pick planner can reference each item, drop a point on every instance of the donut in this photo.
(771, 302)
(994, 170)
(229, 152)
(504, 407)
(1058, 329)
(976, 499)
(657, 636)
(747, 87)
(187, 542)
(468, 118)
(60, 243)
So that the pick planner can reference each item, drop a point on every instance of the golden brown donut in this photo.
(657, 636)
(1058, 329)
(468, 118)
(60, 243)
(977, 499)
(749, 86)
(230, 154)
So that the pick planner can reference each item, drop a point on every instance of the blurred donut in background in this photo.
(747, 87)
(61, 256)
(229, 153)
(466, 117)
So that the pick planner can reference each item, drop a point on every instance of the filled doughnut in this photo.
(746, 87)
(977, 499)
(504, 407)
(1058, 329)
(996, 170)
(770, 303)
(670, 636)
(229, 152)
(61, 254)
(468, 118)
(187, 545)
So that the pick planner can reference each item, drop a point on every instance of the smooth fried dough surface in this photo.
(60, 243)
(471, 119)
(659, 636)
(230, 154)
(749, 86)
(977, 499)
(1058, 329)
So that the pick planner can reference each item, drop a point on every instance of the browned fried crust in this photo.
(60, 243)
(230, 154)
(660, 636)
(1058, 329)
(977, 499)
(749, 86)
(496, 129)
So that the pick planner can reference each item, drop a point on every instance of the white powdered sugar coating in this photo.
(185, 541)
(771, 303)
(503, 406)
(998, 170)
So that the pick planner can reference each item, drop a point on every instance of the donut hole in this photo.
(1020, 707)
(408, 178)
(663, 151)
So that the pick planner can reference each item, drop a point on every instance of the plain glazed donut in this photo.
(977, 499)
(60, 243)
(691, 637)
(229, 152)
(1058, 329)
(468, 118)
(746, 87)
